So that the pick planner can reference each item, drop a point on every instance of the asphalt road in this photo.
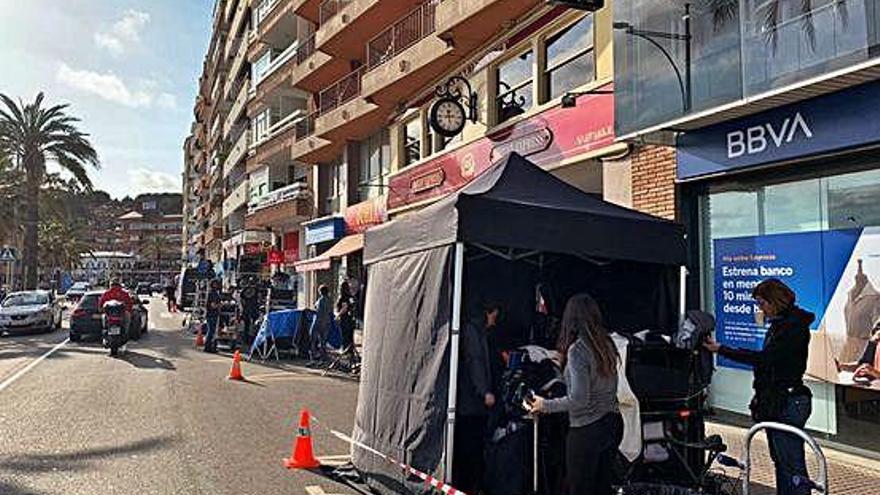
(161, 420)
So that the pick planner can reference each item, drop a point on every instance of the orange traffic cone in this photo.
(302, 456)
(200, 339)
(235, 372)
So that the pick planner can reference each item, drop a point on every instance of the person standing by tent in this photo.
(345, 311)
(596, 427)
(212, 315)
(321, 327)
(249, 306)
(476, 397)
(780, 393)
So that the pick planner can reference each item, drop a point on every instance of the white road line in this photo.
(33, 363)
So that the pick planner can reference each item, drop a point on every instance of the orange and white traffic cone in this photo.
(200, 339)
(302, 456)
(235, 372)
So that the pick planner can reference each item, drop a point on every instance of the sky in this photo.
(128, 68)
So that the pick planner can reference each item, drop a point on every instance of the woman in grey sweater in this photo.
(595, 425)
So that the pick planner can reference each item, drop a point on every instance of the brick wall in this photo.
(653, 180)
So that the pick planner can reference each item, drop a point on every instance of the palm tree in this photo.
(156, 246)
(33, 135)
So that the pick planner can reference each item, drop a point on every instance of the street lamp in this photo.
(684, 83)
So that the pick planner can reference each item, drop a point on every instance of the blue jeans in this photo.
(787, 450)
(212, 321)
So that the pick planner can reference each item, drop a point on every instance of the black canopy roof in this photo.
(517, 204)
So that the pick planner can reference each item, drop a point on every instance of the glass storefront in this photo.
(826, 201)
(739, 49)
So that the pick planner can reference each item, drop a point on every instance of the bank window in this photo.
(569, 59)
(412, 141)
(514, 86)
(375, 160)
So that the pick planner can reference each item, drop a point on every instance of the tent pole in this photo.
(453, 358)
(682, 293)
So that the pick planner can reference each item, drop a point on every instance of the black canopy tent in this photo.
(514, 221)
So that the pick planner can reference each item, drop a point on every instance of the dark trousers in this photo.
(212, 321)
(467, 462)
(589, 455)
(248, 318)
(787, 450)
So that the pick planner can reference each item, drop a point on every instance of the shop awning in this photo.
(345, 246)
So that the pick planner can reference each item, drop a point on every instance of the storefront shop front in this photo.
(793, 193)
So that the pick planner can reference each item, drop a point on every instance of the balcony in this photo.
(236, 199)
(212, 234)
(347, 24)
(309, 148)
(344, 114)
(406, 56)
(472, 23)
(277, 73)
(288, 205)
(238, 21)
(235, 112)
(273, 146)
(236, 68)
(314, 69)
(237, 153)
(308, 9)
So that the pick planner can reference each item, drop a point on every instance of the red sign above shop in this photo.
(366, 214)
(253, 249)
(276, 257)
(291, 248)
(548, 138)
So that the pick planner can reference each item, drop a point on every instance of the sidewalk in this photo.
(847, 474)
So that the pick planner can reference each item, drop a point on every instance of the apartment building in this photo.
(150, 232)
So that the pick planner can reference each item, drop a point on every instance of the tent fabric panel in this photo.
(405, 375)
(569, 232)
(433, 226)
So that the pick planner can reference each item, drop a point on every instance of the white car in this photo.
(30, 310)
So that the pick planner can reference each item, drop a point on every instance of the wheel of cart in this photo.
(745, 464)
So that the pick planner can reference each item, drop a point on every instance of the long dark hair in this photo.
(344, 290)
(583, 318)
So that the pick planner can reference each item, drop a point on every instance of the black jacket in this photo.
(475, 372)
(781, 364)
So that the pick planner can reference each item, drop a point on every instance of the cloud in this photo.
(111, 88)
(123, 33)
(150, 181)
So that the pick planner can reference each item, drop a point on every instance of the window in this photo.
(375, 160)
(412, 141)
(260, 67)
(262, 124)
(569, 58)
(514, 86)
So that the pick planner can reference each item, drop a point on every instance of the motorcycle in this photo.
(114, 329)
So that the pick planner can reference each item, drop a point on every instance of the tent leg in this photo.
(682, 293)
(453, 358)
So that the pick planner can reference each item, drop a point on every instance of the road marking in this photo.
(33, 363)
(317, 490)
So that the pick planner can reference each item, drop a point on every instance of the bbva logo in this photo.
(757, 139)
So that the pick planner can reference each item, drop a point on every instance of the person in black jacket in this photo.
(780, 393)
(476, 397)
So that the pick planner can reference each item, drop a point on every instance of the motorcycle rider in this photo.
(117, 293)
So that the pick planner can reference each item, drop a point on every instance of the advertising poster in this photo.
(835, 275)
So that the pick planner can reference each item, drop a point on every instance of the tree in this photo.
(156, 246)
(34, 135)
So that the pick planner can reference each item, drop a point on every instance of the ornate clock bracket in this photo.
(452, 89)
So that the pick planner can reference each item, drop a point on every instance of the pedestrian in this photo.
(345, 311)
(170, 299)
(477, 387)
(249, 306)
(779, 367)
(590, 362)
(321, 326)
(212, 315)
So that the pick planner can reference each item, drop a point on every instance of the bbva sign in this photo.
(759, 138)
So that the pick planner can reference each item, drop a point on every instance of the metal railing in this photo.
(306, 49)
(341, 92)
(305, 127)
(401, 35)
(297, 190)
(330, 8)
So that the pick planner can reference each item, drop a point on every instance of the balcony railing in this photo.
(297, 190)
(305, 127)
(401, 35)
(278, 61)
(341, 92)
(330, 8)
(306, 49)
(262, 11)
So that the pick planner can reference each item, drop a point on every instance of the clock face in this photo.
(447, 117)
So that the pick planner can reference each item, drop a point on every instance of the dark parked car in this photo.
(76, 291)
(85, 321)
(157, 288)
(143, 288)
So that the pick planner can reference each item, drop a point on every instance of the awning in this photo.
(345, 246)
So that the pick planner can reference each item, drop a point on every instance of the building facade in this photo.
(775, 169)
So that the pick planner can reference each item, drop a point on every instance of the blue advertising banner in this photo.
(811, 263)
(845, 119)
(325, 230)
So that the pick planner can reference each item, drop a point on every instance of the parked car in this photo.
(76, 291)
(85, 321)
(143, 288)
(30, 310)
(157, 288)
